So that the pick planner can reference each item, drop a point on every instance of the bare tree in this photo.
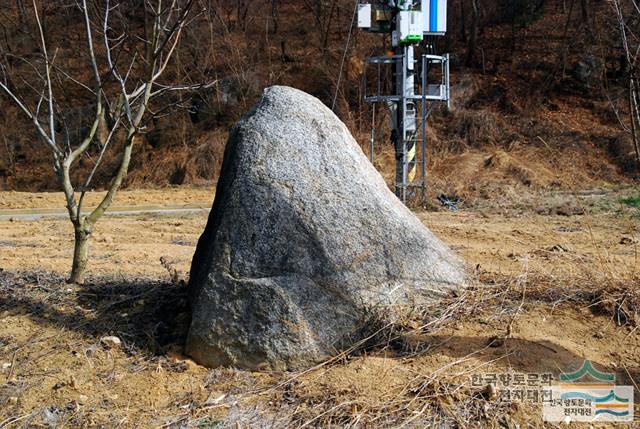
(126, 62)
(473, 37)
(323, 13)
(275, 15)
(626, 13)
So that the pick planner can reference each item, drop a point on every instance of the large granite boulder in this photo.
(304, 242)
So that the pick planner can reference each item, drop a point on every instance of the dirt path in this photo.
(38, 213)
(176, 196)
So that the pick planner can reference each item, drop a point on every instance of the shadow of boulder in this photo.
(146, 314)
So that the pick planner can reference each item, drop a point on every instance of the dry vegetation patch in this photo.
(63, 373)
(548, 291)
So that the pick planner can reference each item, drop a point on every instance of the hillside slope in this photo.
(530, 109)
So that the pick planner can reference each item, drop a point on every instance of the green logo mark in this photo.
(587, 368)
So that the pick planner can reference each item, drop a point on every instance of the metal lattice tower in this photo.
(411, 97)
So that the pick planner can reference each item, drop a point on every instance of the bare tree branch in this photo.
(52, 129)
(130, 93)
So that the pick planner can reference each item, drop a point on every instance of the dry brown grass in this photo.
(547, 292)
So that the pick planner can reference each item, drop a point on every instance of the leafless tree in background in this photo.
(473, 37)
(126, 65)
(627, 12)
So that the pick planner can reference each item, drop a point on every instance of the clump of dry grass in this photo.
(425, 400)
(420, 396)
(479, 128)
(621, 303)
(177, 277)
(443, 397)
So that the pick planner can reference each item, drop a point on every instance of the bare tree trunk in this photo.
(274, 15)
(10, 155)
(325, 37)
(584, 8)
(585, 16)
(80, 253)
(473, 38)
(513, 32)
(565, 44)
(21, 13)
(633, 115)
(463, 19)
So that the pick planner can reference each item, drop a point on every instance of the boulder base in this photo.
(304, 242)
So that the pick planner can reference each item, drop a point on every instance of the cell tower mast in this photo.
(410, 23)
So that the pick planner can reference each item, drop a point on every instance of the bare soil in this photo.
(550, 288)
(171, 196)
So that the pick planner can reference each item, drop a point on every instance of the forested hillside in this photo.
(540, 90)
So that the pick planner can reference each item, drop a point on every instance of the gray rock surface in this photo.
(304, 242)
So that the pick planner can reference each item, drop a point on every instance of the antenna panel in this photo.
(434, 14)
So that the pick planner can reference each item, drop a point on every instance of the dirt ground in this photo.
(554, 284)
(173, 196)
